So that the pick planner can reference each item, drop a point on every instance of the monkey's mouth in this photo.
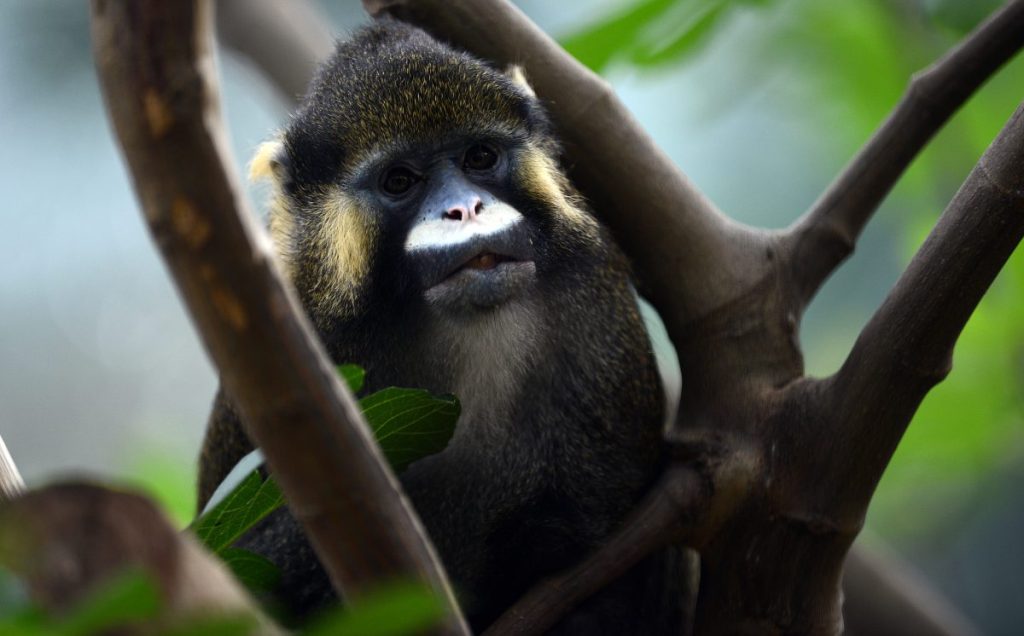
(484, 272)
(483, 282)
(485, 261)
(481, 254)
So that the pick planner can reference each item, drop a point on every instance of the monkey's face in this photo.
(418, 178)
(465, 244)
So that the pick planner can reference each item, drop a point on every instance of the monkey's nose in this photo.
(465, 212)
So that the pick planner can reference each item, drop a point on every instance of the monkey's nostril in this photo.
(455, 214)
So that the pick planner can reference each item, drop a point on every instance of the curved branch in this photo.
(664, 223)
(155, 65)
(906, 348)
(826, 235)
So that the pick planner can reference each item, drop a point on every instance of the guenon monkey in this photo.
(420, 211)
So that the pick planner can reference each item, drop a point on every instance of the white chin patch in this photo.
(445, 233)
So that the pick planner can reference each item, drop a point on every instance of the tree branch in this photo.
(906, 348)
(155, 65)
(826, 235)
(668, 228)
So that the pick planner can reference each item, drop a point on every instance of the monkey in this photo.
(419, 209)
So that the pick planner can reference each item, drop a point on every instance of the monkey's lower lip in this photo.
(486, 280)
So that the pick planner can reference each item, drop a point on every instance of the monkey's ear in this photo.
(270, 162)
(516, 74)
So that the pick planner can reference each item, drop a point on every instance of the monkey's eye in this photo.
(398, 180)
(480, 157)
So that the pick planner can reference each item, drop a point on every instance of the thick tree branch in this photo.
(826, 235)
(669, 229)
(285, 40)
(907, 346)
(155, 64)
(11, 483)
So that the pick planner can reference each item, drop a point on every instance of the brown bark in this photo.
(154, 61)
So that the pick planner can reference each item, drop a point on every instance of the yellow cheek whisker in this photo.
(262, 164)
(537, 174)
(346, 235)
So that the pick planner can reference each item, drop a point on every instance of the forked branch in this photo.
(155, 64)
(826, 235)
(907, 346)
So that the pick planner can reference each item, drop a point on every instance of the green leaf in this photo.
(407, 423)
(254, 571)
(652, 32)
(397, 610)
(131, 597)
(598, 44)
(354, 375)
(410, 423)
(687, 40)
(251, 501)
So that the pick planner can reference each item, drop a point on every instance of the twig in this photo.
(11, 483)
(669, 229)
(907, 346)
(155, 64)
(826, 235)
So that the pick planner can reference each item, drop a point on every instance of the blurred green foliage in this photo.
(167, 479)
(132, 599)
(124, 600)
(846, 65)
(394, 610)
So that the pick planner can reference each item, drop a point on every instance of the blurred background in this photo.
(761, 102)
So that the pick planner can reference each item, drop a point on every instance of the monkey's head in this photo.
(415, 176)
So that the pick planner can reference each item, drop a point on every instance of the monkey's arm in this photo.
(224, 445)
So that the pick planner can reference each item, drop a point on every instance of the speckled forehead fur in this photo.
(393, 77)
